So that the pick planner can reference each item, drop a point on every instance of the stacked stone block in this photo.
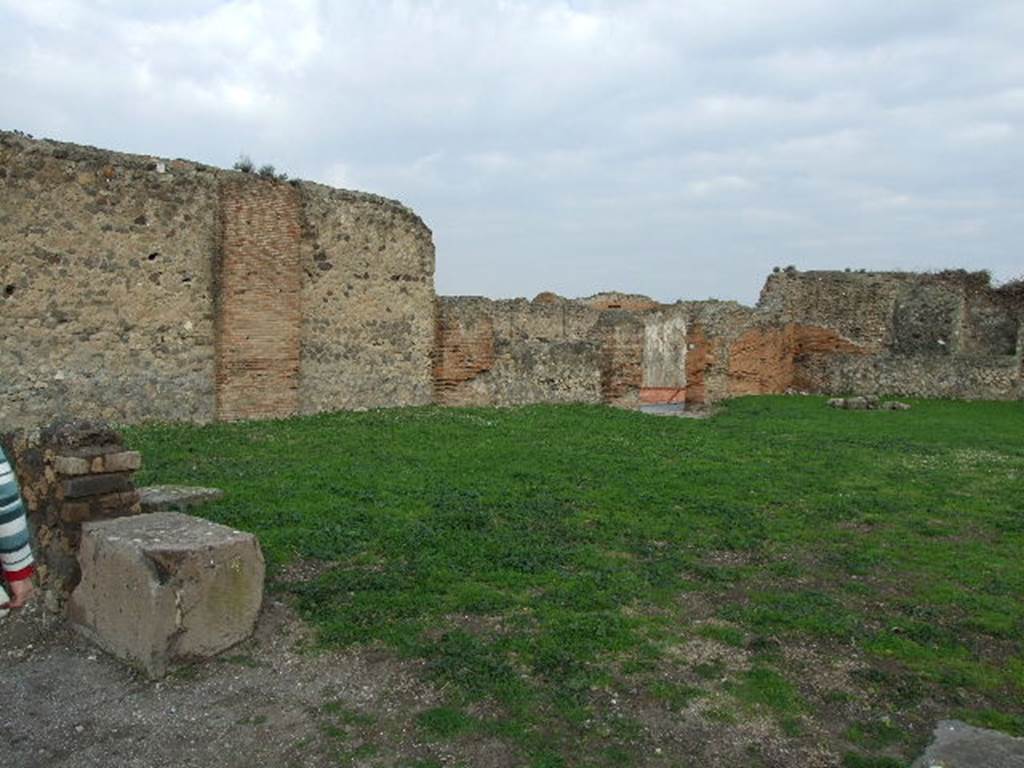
(70, 474)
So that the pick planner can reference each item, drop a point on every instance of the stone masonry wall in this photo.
(557, 350)
(135, 288)
(513, 352)
(106, 285)
(113, 269)
(947, 334)
(368, 303)
(70, 473)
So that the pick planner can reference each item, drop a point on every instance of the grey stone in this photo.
(855, 404)
(958, 745)
(70, 466)
(166, 589)
(836, 402)
(176, 498)
(97, 485)
(895, 405)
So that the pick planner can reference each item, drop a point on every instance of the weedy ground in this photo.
(781, 584)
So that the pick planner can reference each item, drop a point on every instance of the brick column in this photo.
(259, 304)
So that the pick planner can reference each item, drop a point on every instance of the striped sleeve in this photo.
(15, 548)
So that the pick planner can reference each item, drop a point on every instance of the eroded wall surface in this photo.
(947, 334)
(135, 288)
(107, 282)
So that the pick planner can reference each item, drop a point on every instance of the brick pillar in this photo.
(621, 338)
(259, 303)
(70, 473)
(696, 363)
(463, 349)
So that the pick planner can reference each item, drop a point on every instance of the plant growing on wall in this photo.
(245, 164)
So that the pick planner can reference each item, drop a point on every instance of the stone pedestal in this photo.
(165, 589)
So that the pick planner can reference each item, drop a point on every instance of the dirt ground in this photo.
(273, 700)
(269, 701)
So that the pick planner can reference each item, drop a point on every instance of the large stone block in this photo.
(165, 589)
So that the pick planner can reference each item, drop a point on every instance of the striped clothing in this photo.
(15, 549)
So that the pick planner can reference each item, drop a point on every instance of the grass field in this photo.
(600, 587)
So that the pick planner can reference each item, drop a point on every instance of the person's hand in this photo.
(21, 591)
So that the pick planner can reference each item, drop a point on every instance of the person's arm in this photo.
(15, 547)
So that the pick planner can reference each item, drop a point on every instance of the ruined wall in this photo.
(107, 285)
(368, 303)
(135, 288)
(557, 350)
(947, 334)
(510, 352)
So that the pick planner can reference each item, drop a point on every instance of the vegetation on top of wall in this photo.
(591, 585)
(245, 164)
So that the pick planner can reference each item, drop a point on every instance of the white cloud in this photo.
(673, 148)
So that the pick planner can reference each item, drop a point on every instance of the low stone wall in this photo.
(962, 378)
(70, 474)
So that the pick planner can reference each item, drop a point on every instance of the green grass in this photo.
(533, 555)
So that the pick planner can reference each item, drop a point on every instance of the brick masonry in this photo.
(259, 314)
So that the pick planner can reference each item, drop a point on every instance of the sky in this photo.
(675, 148)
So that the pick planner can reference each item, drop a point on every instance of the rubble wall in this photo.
(135, 288)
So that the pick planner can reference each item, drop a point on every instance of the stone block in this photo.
(124, 461)
(96, 485)
(101, 507)
(958, 744)
(165, 589)
(895, 405)
(176, 498)
(69, 466)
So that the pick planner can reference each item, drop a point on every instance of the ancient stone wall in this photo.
(107, 282)
(512, 352)
(367, 303)
(259, 310)
(135, 288)
(947, 334)
(557, 350)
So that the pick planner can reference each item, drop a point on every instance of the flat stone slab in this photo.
(176, 498)
(165, 589)
(959, 745)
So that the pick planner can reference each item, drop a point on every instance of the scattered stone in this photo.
(176, 498)
(866, 403)
(895, 405)
(165, 589)
(959, 745)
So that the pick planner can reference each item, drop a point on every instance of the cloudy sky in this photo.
(678, 148)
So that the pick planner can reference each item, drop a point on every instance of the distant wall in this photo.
(947, 334)
(136, 288)
(556, 350)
